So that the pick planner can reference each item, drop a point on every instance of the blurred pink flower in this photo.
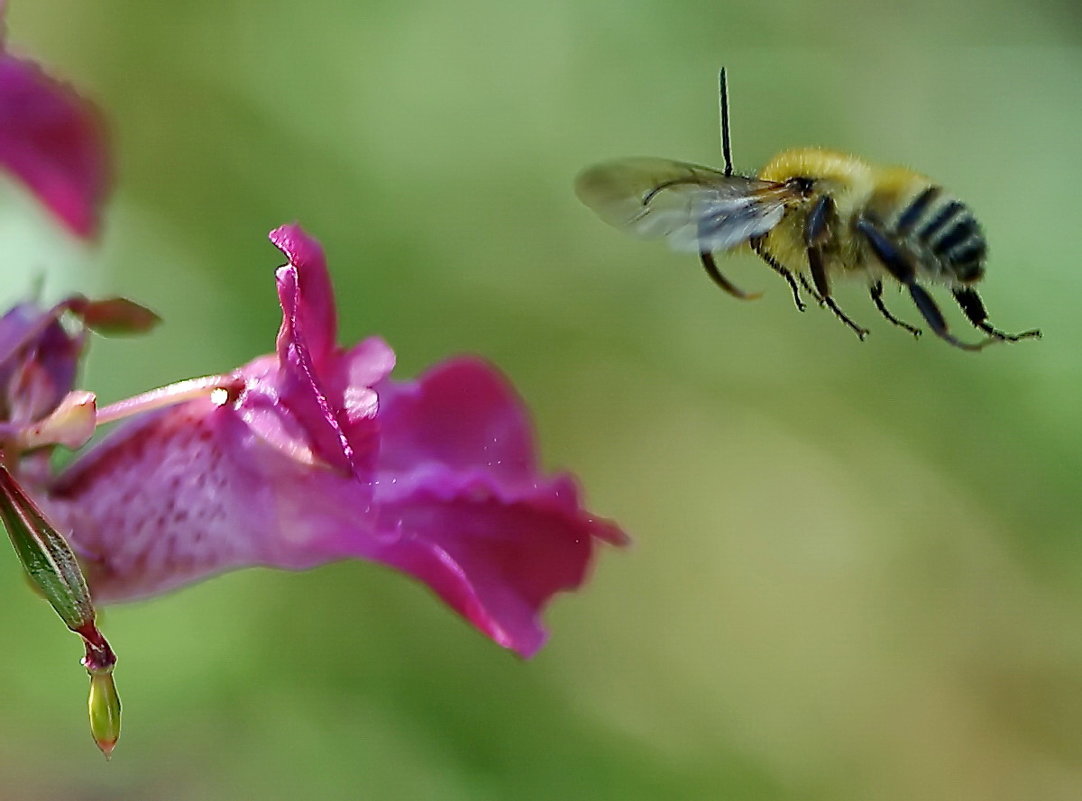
(53, 141)
(314, 454)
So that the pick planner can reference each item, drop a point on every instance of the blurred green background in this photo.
(857, 569)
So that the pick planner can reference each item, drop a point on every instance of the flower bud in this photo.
(104, 706)
(70, 424)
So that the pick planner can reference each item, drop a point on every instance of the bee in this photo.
(812, 215)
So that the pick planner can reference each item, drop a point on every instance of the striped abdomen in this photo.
(941, 232)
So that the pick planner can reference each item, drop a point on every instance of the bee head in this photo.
(803, 184)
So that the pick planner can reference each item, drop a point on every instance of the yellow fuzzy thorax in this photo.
(816, 162)
(856, 187)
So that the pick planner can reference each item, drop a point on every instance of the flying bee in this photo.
(812, 215)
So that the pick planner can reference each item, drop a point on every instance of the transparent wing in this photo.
(694, 208)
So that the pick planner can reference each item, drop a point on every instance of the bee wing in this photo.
(694, 208)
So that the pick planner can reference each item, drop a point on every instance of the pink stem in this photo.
(169, 396)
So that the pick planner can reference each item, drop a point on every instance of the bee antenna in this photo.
(726, 147)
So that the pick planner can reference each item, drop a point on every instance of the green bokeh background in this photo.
(857, 569)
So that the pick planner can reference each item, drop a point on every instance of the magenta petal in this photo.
(463, 414)
(470, 515)
(192, 491)
(54, 141)
(495, 557)
(38, 361)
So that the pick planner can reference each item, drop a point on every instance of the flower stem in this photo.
(54, 569)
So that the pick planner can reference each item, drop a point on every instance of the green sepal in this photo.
(117, 316)
(45, 555)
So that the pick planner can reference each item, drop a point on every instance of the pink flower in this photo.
(38, 359)
(54, 142)
(314, 454)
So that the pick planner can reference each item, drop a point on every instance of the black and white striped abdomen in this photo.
(941, 232)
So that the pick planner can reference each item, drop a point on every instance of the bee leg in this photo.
(712, 270)
(756, 243)
(816, 233)
(901, 269)
(819, 276)
(809, 288)
(971, 304)
(934, 316)
(877, 298)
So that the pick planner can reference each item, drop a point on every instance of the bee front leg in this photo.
(971, 304)
(892, 258)
(756, 243)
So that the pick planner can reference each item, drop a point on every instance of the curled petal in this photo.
(310, 381)
(305, 292)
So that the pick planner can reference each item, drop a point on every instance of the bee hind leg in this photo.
(877, 299)
(756, 243)
(934, 317)
(891, 258)
(971, 305)
(712, 270)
